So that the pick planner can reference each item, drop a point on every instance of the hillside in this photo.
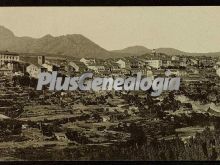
(75, 45)
(135, 50)
(172, 51)
(140, 50)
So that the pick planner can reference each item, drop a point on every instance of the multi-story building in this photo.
(6, 56)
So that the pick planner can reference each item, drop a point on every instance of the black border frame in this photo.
(109, 2)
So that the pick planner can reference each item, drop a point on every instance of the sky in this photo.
(191, 29)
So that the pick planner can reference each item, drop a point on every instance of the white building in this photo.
(218, 72)
(121, 63)
(33, 70)
(87, 62)
(175, 58)
(154, 63)
(150, 74)
(8, 56)
(48, 66)
(194, 62)
(73, 64)
(7, 71)
(97, 68)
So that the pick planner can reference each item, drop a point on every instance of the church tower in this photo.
(41, 60)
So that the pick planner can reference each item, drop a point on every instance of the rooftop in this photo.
(8, 53)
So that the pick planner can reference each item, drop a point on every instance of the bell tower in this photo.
(41, 60)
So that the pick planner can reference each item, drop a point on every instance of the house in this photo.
(88, 62)
(175, 58)
(144, 71)
(113, 67)
(175, 63)
(6, 71)
(158, 73)
(125, 71)
(135, 63)
(217, 65)
(34, 70)
(60, 136)
(186, 107)
(91, 64)
(121, 63)
(193, 62)
(96, 68)
(183, 59)
(149, 73)
(48, 66)
(174, 72)
(166, 63)
(182, 73)
(72, 66)
(83, 60)
(105, 118)
(213, 109)
(76, 67)
(183, 63)
(154, 63)
(206, 62)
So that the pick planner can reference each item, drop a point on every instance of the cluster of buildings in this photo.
(8, 61)
(153, 64)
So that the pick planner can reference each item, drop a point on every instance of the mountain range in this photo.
(140, 50)
(74, 45)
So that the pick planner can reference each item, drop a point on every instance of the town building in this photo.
(6, 56)
(218, 72)
(33, 70)
(135, 63)
(6, 71)
(41, 60)
(97, 69)
(206, 62)
(193, 62)
(183, 61)
(154, 63)
(88, 62)
(166, 63)
(175, 58)
(121, 63)
(48, 66)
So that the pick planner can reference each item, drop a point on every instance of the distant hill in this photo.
(75, 45)
(135, 50)
(140, 50)
(172, 51)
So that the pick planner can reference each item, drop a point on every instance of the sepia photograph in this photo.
(138, 83)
